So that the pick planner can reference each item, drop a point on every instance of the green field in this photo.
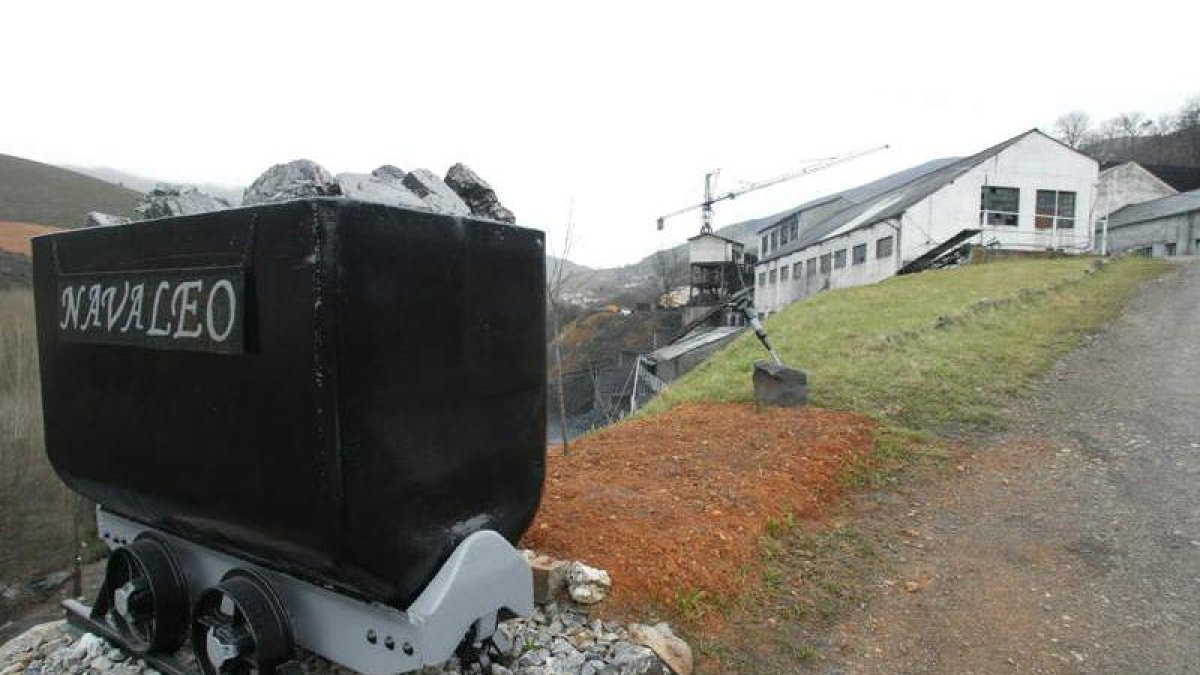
(929, 351)
(32, 192)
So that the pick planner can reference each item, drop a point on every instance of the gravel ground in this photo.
(1071, 542)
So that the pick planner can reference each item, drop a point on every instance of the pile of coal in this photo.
(462, 193)
(295, 180)
(167, 200)
(478, 195)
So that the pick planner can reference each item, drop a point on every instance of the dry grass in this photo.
(35, 508)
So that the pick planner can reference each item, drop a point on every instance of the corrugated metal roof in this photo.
(1154, 209)
(894, 201)
(675, 350)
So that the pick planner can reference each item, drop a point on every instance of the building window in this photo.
(839, 259)
(1171, 248)
(826, 261)
(1055, 210)
(762, 278)
(795, 228)
(883, 248)
(764, 245)
(771, 278)
(783, 272)
(774, 239)
(811, 270)
(999, 206)
(859, 255)
(783, 235)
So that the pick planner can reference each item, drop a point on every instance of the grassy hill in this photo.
(929, 351)
(33, 192)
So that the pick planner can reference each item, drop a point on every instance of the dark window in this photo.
(762, 278)
(795, 228)
(999, 206)
(772, 276)
(1171, 249)
(796, 271)
(1055, 210)
(811, 270)
(783, 272)
(764, 245)
(826, 261)
(839, 259)
(860, 254)
(883, 247)
(774, 239)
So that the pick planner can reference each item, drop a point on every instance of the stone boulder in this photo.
(389, 173)
(660, 639)
(295, 180)
(371, 188)
(587, 585)
(779, 386)
(98, 219)
(166, 201)
(477, 194)
(437, 195)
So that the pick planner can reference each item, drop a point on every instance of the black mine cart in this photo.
(317, 424)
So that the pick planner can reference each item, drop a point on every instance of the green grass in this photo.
(32, 192)
(36, 523)
(924, 355)
(931, 351)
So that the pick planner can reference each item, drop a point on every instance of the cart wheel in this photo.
(144, 596)
(239, 627)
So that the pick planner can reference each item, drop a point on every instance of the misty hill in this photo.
(144, 184)
(33, 192)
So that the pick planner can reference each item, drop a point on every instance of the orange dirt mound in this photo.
(14, 236)
(678, 502)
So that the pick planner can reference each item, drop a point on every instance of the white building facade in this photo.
(1029, 193)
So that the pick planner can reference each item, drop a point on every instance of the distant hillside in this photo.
(15, 270)
(144, 184)
(33, 192)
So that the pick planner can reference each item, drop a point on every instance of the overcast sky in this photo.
(620, 107)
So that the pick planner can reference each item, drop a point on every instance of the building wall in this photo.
(771, 297)
(712, 249)
(1182, 230)
(1127, 184)
(1031, 164)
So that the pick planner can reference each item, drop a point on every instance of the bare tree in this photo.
(1188, 124)
(666, 269)
(558, 276)
(1073, 128)
(1131, 125)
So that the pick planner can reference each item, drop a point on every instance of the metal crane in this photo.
(706, 206)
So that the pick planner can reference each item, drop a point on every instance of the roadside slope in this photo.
(1072, 543)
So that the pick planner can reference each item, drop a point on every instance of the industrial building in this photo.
(1030, 192)
(1164, 227)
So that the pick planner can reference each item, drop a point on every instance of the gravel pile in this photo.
(556, 640)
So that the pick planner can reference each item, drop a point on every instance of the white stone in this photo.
(587, 585)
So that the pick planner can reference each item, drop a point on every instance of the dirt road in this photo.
(1071, 543)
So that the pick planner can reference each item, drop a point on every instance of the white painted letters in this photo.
(154, 330)
(227, 287)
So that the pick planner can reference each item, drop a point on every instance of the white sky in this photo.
(621, 107)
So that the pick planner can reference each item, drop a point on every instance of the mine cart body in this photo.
(339, 391)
